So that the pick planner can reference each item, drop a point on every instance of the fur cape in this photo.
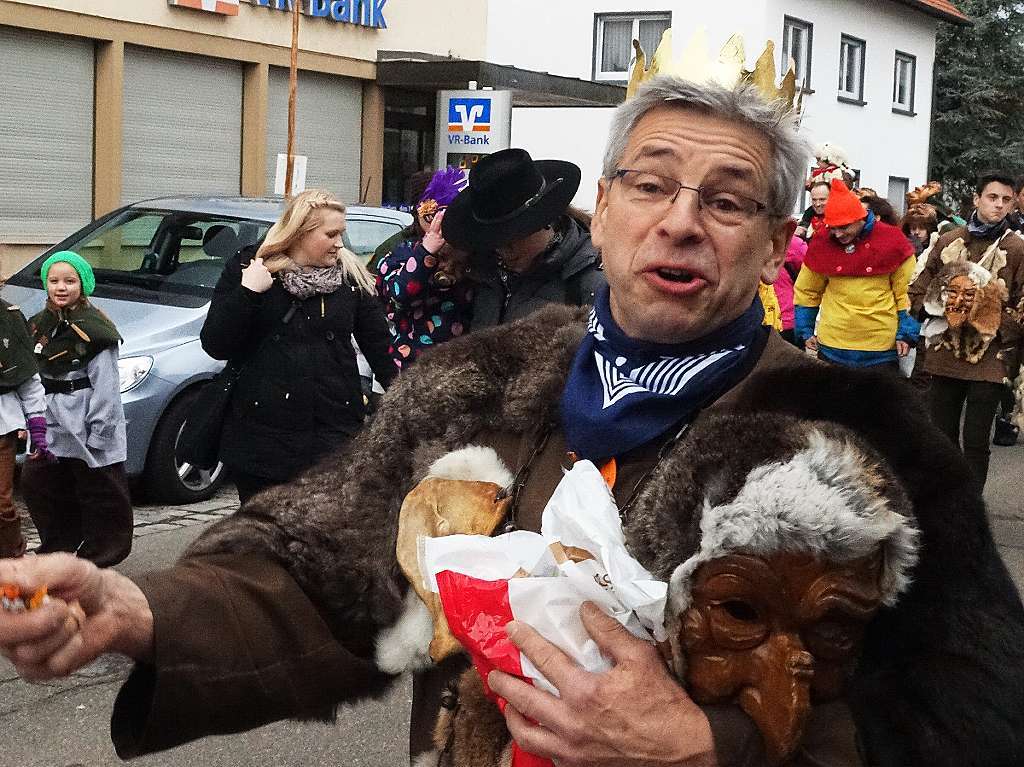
(941, 672)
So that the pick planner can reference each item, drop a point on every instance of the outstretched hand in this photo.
(633, 715)
(90, 612)
(433, 240)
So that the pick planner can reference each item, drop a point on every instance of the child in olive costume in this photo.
(22, 406)
(80, 501)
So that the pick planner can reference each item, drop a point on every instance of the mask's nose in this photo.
(778, 697)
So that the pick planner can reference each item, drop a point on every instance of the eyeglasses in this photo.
(655, 191)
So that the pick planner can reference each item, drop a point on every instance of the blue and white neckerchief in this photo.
(622, 393)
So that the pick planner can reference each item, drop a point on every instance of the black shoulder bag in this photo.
(199, 442)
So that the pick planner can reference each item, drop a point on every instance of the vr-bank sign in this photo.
(365, 13)
(477, 122)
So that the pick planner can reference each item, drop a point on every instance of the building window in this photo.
(898, 188)
(903, 80)
(851, 69)
(797, 38)
(613, 41)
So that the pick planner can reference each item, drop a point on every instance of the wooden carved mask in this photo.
(960, 294)
(774, 633)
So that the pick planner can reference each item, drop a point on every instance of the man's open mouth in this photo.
(676, 275)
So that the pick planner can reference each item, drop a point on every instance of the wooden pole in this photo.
(293, 86)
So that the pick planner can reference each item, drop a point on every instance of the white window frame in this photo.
(904, 64)
(636, 18)
(803, 67)
(854, 95)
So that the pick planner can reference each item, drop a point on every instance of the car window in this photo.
(362, 236)
(171, 257)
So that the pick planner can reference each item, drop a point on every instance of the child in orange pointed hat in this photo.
(858, 271)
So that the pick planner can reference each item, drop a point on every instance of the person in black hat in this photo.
(530, 247)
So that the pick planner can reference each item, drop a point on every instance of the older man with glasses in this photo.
(296, 604)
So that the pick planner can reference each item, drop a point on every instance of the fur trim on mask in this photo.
(1018, 401)
(826, 500)
(427, 759)
(479, 464)
(405, 645)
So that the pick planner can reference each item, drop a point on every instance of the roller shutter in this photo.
(328, 127)
(46, 135)
(182, 125)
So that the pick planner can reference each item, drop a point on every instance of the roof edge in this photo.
(957, 17)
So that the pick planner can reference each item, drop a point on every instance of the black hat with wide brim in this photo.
(510, 195)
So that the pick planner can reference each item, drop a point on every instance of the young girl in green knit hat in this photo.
(80, 501)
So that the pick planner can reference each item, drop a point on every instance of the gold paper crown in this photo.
(695, 65)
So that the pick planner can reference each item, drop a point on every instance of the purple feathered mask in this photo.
(442, 189)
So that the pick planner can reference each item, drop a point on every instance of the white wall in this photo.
(574, 134)
(878, 141)
(557, 36)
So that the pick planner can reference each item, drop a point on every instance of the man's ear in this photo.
(780, 238)
(600, 212)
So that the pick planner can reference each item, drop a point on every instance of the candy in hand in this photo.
(11, 599)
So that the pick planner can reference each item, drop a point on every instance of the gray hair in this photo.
(744, 104)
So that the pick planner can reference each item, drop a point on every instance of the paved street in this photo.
(65, 724)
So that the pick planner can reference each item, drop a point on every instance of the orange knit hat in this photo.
(843, 206)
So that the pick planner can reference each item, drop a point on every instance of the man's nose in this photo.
(683, 219)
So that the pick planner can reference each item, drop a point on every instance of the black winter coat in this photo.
(298, 395)
(570, 274)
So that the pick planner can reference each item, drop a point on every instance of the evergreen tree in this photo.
(978, 113)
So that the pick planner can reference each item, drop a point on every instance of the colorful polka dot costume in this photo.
(421, 313)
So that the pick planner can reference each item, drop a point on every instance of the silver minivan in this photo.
(156, 264)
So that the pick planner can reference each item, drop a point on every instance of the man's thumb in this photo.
(610, 636)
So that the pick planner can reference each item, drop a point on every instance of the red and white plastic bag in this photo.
(484, 583)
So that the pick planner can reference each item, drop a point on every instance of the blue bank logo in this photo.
(469, 115)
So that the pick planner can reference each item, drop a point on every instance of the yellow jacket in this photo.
(770, 302)
(857, 313)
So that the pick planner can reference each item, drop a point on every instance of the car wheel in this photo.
(168, 478)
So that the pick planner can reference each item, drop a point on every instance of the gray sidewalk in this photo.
(154, 518)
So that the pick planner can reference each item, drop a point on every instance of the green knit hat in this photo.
(78, 263)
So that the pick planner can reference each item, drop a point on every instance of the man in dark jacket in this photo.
(284, 609)
(529, 248)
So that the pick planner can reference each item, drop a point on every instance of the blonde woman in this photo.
(285, 318)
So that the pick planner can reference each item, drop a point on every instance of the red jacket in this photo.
(881, 252)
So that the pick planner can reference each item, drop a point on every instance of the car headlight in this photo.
(131, 371)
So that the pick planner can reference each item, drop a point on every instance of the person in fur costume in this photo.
(919, 224)
(766, 603)
(970, 296)
(322, 614)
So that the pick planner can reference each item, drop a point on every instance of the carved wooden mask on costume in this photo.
(776, 633)
(960, 294)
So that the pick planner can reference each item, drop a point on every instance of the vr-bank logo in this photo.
(469, 115)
